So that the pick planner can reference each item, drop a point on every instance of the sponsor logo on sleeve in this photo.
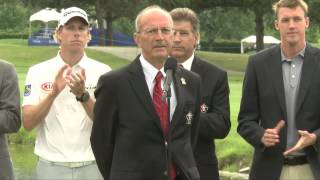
(27, 90)
(47, 86)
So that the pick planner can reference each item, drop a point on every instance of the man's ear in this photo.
(276, 25)
(197, 40)
(307, 22)
(136, 39)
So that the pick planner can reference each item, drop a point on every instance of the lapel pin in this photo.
(183, 81)
(204, 108)
(189, 118)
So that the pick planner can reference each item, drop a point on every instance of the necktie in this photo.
(161, 107)
(162, 111)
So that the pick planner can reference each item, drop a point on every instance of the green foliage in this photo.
(13, 35)
(13, 15)
(223, 46)
(313, 33)
(314, 9)
(124, 25)
(226, 24)
(172, 3)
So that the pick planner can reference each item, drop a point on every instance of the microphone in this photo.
(169, 67)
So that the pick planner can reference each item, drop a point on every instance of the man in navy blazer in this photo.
(127, 139)
(279, 113)
(215, 114)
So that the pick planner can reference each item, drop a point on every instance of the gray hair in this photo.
(147, 10)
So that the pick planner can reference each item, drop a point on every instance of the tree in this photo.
(111, 10)
(259, 7)
(220, 23)
(14, 15)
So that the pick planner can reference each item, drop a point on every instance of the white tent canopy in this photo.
(44, 15)
(269, 40)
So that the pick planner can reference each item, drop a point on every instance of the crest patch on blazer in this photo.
(204, 108)
(183, 81)
(189, 117)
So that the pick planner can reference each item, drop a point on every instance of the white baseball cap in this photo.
(67, 14)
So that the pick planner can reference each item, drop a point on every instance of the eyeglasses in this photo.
(155, 31)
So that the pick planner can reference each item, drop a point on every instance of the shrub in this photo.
(223, 46)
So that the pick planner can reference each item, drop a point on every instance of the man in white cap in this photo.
(58, 103)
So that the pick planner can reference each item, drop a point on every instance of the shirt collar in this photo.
(149, 70)
(188, 63)
(80, 64)
(300, 54)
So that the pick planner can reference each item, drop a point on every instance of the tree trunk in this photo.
(109, 27)
(259, 29)
(101, 32)
(100, 17)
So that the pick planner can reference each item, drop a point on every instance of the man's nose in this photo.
(176, 37)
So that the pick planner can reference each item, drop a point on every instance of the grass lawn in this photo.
(233, 152)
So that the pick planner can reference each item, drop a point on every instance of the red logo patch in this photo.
(47, 86)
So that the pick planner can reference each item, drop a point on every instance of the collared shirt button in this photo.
(293, 76)
(293, 65)
(166, 143)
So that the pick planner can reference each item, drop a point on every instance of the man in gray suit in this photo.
(10, 119)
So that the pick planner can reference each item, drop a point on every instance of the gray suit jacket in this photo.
(10, 119)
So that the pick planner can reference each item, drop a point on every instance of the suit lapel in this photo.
(179, 94)
(308, 67)
(196, 67)
(275, 67)
(140, 87)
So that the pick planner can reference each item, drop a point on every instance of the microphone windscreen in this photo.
(171, 63)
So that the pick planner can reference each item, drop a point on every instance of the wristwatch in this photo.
(84, 97)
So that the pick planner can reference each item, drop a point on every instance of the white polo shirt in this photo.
(64, 135)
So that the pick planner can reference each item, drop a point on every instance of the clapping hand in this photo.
(76, 82)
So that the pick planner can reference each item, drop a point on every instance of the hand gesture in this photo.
(306, 139)
(59, 82)
(271, 136)
(76, 82)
